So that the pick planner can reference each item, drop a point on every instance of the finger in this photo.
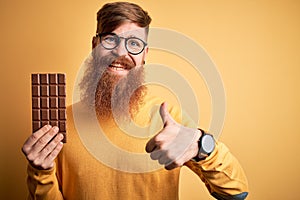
(164, 159)
(37, 135)
(151, 145)
(45, 139)
(171, 166)
(50, 147)
(49, 160)
(165, 115)
(34, 138)
(156, 154)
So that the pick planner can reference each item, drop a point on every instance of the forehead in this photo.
(130, 29)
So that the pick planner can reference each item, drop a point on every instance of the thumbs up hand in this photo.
(175, 144)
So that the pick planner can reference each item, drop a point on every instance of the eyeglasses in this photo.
(133, 45)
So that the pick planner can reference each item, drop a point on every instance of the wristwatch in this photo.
(206, 144)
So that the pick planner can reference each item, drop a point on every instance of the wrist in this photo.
(206, 145)
(196, 150)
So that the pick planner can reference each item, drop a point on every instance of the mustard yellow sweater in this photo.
(88, 168)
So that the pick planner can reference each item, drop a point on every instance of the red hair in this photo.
(112, 15)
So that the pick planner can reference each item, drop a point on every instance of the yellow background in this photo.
(255, 45)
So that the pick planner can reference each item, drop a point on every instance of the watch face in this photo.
(208, 143)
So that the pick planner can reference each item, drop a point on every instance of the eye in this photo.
(109, 39)
(135, 43)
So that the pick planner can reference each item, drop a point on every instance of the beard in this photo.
(112, 95)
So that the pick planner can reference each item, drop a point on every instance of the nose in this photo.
(120, 50)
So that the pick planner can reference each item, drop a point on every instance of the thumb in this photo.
(165, 115)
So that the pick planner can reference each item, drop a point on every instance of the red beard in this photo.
(112, 95)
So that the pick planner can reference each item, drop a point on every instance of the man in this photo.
(113, 97)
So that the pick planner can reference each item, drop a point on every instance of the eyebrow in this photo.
(128, 35)
(134, 36)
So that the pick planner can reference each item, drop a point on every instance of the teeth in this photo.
(118, 68)
(116, 65)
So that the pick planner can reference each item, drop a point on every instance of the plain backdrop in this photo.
(254, 44)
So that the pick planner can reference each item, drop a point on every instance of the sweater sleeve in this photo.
(222, 174)
(43, 184)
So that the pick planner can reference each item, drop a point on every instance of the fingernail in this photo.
(55, 128)
(48, 126)
(61, 136)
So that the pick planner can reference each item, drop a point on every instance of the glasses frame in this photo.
(100, 35)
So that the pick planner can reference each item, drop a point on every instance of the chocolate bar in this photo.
(49, 101)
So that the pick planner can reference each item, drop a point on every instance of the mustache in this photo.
(105, 61)
(122, 60)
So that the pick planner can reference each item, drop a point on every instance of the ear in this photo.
(146, 52)
(95, 42)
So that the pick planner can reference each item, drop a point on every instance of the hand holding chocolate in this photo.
(48, 120)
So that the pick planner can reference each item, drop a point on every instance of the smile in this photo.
(117, 67)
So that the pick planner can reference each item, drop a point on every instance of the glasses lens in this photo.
(109, 41)
(134, 45)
